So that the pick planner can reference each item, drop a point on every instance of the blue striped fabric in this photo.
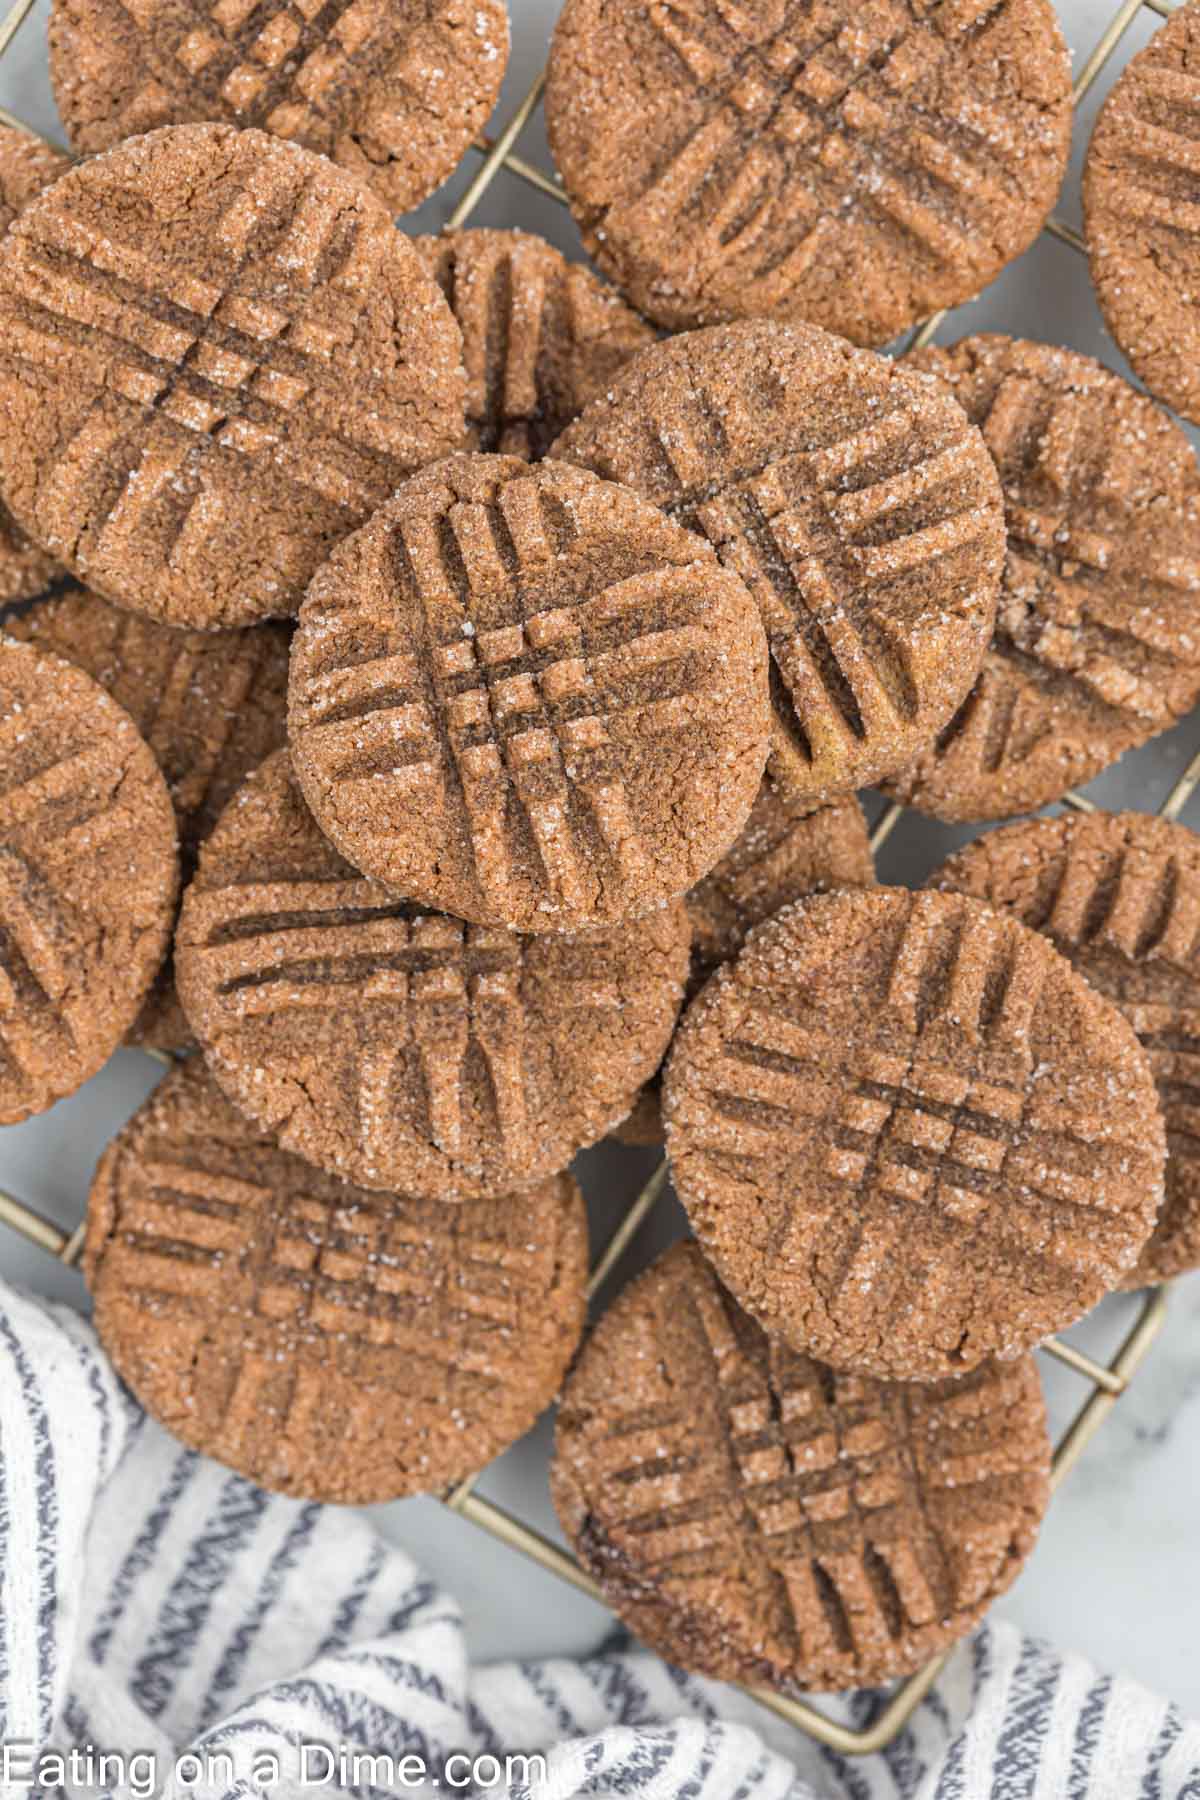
(151, 1602)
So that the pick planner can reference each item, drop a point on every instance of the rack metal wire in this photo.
(1107, 1381)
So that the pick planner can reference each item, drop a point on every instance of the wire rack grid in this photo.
(1106, 1381)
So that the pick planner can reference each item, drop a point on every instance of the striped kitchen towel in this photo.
(167, 1628)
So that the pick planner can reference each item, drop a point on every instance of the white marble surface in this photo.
(1117, 1573)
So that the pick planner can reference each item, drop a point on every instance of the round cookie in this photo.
(1140, 218)
(755, 1517)
(393, 93)
(324, 1341)
(1095, 648)
(858, 504)
(27, 165)
(400, 1048)
(217, 356)
(1119, 896)
(89, 873)
(909, 1136)
(541, 336)
(527, 698)
(856, 165)
(211, 705)
(781, 856)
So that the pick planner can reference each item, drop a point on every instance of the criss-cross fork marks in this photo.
(68, 808)
(296, 69)
(833, 103)
(167, 681)
(1112, 632)
(359, 1271)
(321, 1266)
(829, 1491)
(1130, 918)
(448, 999)
(962, 1135)
(823, 1484)
(499, 297)
(67, 811)
(204, 369)
(1154, 136)
(959, 1123)
(37, 976)
(539, 715)
(808, 533)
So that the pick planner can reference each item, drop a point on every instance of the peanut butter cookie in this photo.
(856, 501)
(526, 697)
(89, 873)
(855, 163)
(755, 1516)
(909, 1135)
(217, 357)
(323, 1341)
(397, 1047)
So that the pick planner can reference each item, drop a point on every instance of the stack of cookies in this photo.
(444, 732)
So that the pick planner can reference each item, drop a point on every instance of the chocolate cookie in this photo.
(858, 504)
(394, 93)
(397, 1047)
(1140, 213)
(541, 336)
(27, 165)
(217, 356)
(321, 1340)
(756, 1517)
(1119, 896)
(526, 697)
(909, 1136)
(211, 705)
(782, 855)
(855, 163)
(1096, 647)
(89, 873)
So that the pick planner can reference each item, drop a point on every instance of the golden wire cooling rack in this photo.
(1106, 1381)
